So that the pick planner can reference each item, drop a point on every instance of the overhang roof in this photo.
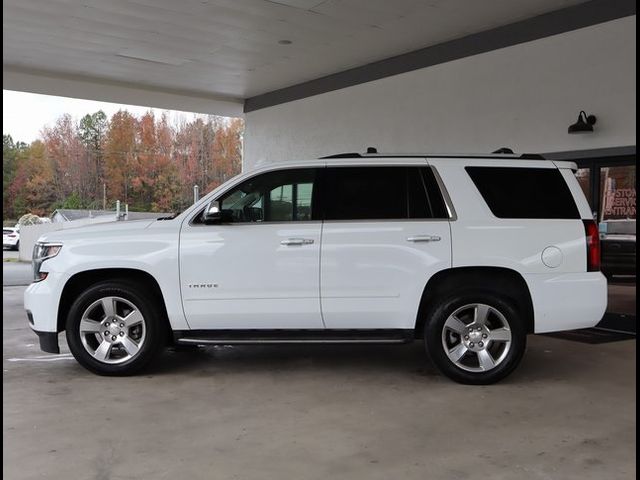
(211, 55)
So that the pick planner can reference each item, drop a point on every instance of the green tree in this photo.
(92, 131)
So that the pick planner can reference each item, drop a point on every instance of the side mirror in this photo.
(213, 213)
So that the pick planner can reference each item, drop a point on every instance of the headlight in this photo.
(41, 252)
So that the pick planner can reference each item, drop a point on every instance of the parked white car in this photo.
(469, 253)
(10, 238)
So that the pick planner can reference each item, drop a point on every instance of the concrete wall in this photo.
(29, 234)
(523, 97)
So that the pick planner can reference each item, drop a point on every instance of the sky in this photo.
(24, 114)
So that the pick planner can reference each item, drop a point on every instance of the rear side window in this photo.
(525, 192)
(381, 193)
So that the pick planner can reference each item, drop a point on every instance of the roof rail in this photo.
(370, 151)
(497, 153)
(524, 156)
(343, 155)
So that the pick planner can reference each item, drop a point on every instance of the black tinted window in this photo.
(524, 192)
(281, 196)
(378, 193)
(438, 209)
(418, 203)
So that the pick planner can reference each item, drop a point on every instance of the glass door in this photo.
(610, 187)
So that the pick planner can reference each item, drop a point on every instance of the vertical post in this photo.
(196, 193)
(104, 196)
(117, 209)
(126, 211)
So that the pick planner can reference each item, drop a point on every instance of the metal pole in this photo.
(196, 193)
(126, 211)
(117, 209)
(104, 196)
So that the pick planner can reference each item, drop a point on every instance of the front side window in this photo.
(282, 196)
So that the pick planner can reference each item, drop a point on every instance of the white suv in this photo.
(469, 253)
(10, 238)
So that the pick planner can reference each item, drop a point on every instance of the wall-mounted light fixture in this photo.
(584, 124)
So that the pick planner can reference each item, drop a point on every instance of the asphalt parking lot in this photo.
(14, 272)
(374, 412)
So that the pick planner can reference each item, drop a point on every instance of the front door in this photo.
(386, 232)
(260, 268)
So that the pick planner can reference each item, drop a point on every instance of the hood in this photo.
(97, 229)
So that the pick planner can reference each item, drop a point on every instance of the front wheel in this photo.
(115, 328)
(475, 338)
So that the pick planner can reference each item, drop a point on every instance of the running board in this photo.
(261, 337)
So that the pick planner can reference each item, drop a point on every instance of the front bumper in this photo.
(41, 301)
(48, 341)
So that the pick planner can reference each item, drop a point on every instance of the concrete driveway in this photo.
(374, 412)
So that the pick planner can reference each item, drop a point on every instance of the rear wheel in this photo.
(115, 328)
(475, 338)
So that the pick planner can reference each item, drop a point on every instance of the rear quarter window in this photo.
(513, 192)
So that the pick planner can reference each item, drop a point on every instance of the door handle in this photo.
(296, 241)
(424, 238)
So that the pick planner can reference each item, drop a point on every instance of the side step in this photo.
(260, 337)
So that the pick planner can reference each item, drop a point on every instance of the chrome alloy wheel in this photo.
(112, 330)
(476, 337)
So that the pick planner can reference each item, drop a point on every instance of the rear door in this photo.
(385, 233)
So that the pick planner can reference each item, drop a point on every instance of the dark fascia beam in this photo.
(534, 28)
(625, 151)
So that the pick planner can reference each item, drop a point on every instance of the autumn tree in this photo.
(71, 172)
(33, 189)
(10, 152)
(227, 153)
(145, 162)
(166, 194)
(119, 154)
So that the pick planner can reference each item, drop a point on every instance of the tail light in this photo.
(593, 245)
(12, 235)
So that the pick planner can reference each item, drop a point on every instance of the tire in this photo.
(502, 336)
(17, 247)
(135, 321)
